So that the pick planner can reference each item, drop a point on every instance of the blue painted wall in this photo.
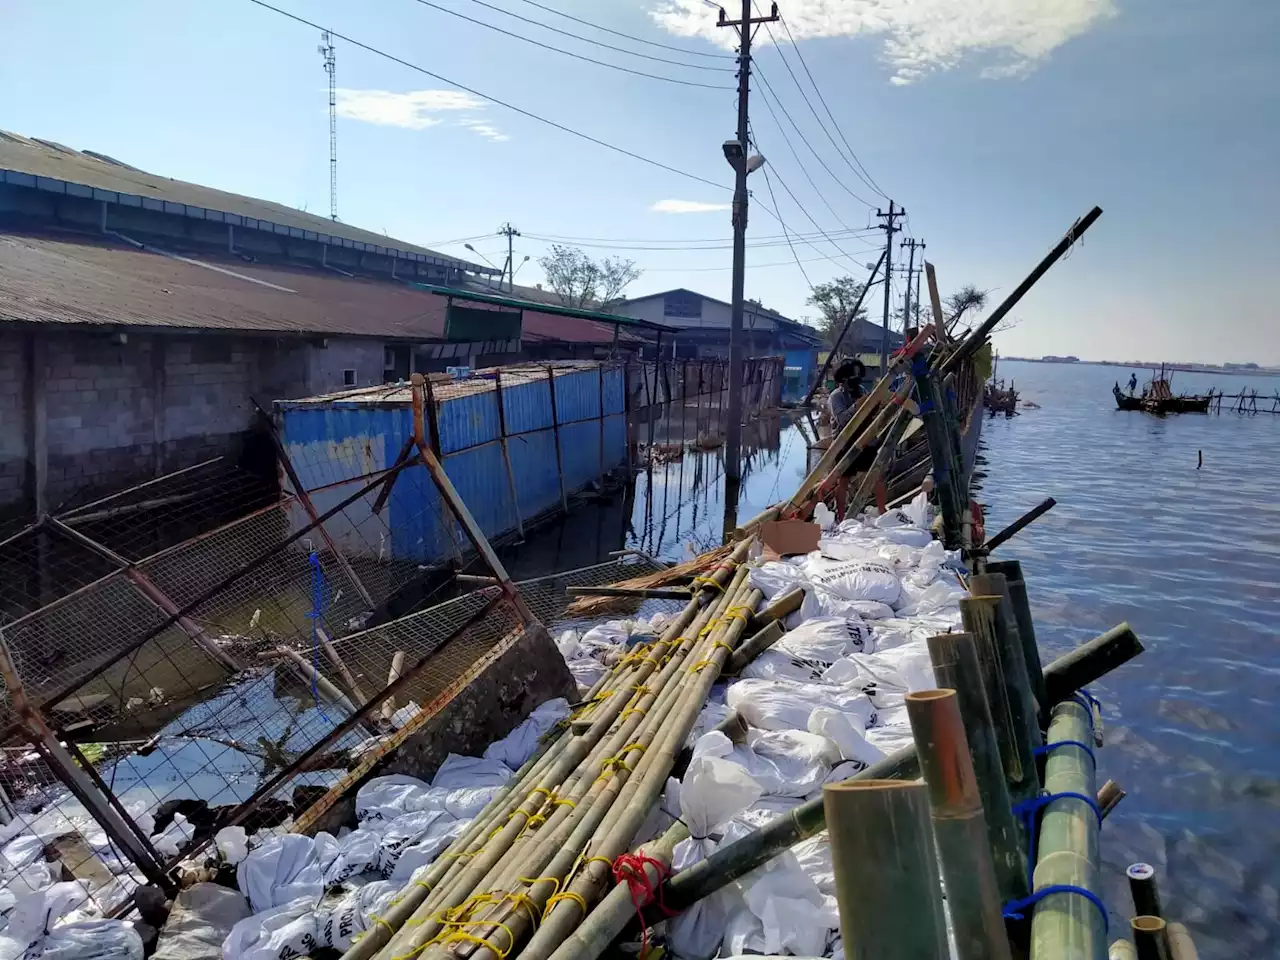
(795, 386)
(335, 442)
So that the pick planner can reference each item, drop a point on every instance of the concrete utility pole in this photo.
(509, 268)
(737, 153)
(889, 227)
(911, 272)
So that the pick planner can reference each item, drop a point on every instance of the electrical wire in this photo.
(570, 53)
(805, 140)
(864, 175)
(484, 96)
(750, 266)
(804, 273)
(601, 43)
(719, 246)
(557, 237)
(619, 33)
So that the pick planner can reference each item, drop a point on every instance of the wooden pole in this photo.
(754, 646)
(955, 666)
(313, 675)
(1067, 924)
(1122, 950)
(886, 871)
(1089, 661)
(946, 479)
(1012, 572)
(506, 453)
(835, 347)
(348, 677)
(555, 427)
(1032, 515)
(1013, 655)
(958, 825)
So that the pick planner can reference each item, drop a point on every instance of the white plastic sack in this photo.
(854, 579)
(569, 645)
(457, 772)
(402, 832)
(712, 792)
(776, 665)
(918, 510)
(819, 602)
(89, 940)
(385, 798)
(354, 914)
(786, 763)
(285, 932)
(587, 672)
(849, 740)
(942, 594)
(174, 837)
(826, 639)
(35, 913)
(283, 870)
(424, 850)
(522, 742)
(232, 844)
(345, 857)
(776, 577)
(786, 704)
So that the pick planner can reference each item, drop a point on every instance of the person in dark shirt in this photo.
(848, 389)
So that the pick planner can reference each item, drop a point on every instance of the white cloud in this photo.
(483, 129)
(412, 110)
(921, 36)
(687, 206)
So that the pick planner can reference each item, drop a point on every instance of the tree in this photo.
(581, 282)
(962, 301)
(835, 299)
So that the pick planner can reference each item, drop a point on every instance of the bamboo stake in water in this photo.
(1013, 655)
(1181, 946)
(958, 825)
(1068, 925)
(955, 666)
(1122, 950)
(885, 870)
(1150, 938)
(1144, 890)
(1012, 571)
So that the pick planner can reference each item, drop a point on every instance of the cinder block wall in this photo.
(120, 413)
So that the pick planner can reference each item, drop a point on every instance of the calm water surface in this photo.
(1191, 558)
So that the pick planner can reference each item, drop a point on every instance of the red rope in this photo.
(629, 868)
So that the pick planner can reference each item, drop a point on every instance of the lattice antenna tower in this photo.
(326, 50)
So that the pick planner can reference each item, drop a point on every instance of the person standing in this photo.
(848, 389)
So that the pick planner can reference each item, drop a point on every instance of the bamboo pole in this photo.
(1109, 795)
(885, 869)
(754, 646)
(1150, 938)
(1067, 924)
(397, 668)
(955, 666)
(1144, 890)
(1012, 572)
(313, 675)
(1013, 655)
(1122, 950)
(979, 617)
(1063, 677)
(1181, 946)
(779, 609)
(958, 825)
(348, 677)
(947, 478)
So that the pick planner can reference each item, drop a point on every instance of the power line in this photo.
(865, 176)
(619, 33)
(717, 240)
(502, 103)
(752, 266)
(794, 255)
(600, 43)
(805, 140)
(570, 53)
(710, 247)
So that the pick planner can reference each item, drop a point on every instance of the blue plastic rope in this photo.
(1050, 747)
(1014, 910)
(319, 600)
(1089, 701)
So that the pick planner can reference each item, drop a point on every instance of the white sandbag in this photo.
(712, 792)
(917, 511)
(232, 844)
(282, 870)
(354, 914)
(823, 603)
(776, 665)
(854, 579)
(406, 713)
(385, 798)
(785, 763)
(284, 932)
(89, 940)
(823, 516)
(402, 832)
(202, 917)
(786, 704)
(908, 536)
(569, 644)
(174, 837)
(35, 914)
(457, 772)
(776, 577)
(344, 857)
(849, 740)
(20, 851)
(941, 594)
(587, 672)
(424, 850)
(522, 742)
(826, 639)
(463, 803)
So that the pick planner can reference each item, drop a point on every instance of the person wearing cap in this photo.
(848, 389)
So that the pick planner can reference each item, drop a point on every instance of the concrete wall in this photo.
(80, 413)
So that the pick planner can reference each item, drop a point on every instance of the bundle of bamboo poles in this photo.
(599, 606)
(526, 870)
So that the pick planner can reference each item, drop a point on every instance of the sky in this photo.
(996, 123)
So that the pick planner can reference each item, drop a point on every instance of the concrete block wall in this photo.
(82, 414)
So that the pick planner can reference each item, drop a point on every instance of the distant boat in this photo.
(1157, 397)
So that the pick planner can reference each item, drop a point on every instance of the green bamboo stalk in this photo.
(1150, 938)
(1122, 950)
(1068, 925)
(1144, 890)
(958, 825)
(1013, 656)
(1080, 667)
(781, 607)
(979, 616)
(753, 646)
(885, 869)
(1012, 571)
(955, 666)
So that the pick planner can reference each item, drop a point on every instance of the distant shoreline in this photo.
(1177, 367)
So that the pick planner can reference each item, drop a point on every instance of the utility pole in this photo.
(737, 152)
(911, 272)
(509, 268)
(919, 273)
(326, 50)
(889, 227)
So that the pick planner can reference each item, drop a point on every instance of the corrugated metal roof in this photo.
(25, 161)
(89, 280)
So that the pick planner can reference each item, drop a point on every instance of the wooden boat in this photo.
(1158, 398)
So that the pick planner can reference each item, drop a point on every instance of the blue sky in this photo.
(995, 122)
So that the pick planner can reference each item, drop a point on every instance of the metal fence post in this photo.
(506, 453)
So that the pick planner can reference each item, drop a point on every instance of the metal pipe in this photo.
(959, 827)
(1144, 890)
(886, 872)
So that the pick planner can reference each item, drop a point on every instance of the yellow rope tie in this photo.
(565, 801)
(462, 936)
(522, 899)
(460, 854)
(412, 953)
(577, 898)
(711, 625)
(554, 881)
(537, 790)
(738, 613)
(724, 646)
(630, 710)
(605, 860)
(641, 689)
(697, 667)
(391, 931)
(709, 582)
(413, 922)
